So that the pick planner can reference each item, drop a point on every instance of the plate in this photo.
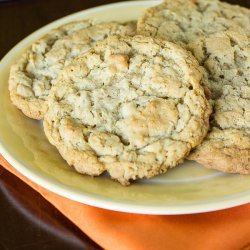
(186, 189)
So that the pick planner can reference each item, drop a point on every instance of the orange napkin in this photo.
(223, 230)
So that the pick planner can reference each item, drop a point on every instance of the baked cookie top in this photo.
(132, 106)
(217, 34)
(184, 21)
(32, 76)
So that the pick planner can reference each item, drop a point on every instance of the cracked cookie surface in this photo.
(217, 34)
(32, 76)
(227, 60)
(133, 107)
(185, 21)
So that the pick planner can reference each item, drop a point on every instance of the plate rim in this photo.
(102, 202)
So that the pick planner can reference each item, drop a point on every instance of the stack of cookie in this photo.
(137, 101)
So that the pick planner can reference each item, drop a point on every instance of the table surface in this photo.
(24, 224)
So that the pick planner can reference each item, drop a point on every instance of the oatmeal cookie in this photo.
(131, 106)
(32, 76)
(217, 34)
(226, 57)
(185, 21)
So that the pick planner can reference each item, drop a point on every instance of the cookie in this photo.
(131, 106)
(217, 34)
(184, 21)
(226, 57)
(35, 72)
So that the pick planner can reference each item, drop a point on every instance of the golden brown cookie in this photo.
(133, 107)
(32, 76)
(217, 34)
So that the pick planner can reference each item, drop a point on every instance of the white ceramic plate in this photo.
(189, 188)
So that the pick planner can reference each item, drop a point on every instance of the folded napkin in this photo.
(223, 230)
